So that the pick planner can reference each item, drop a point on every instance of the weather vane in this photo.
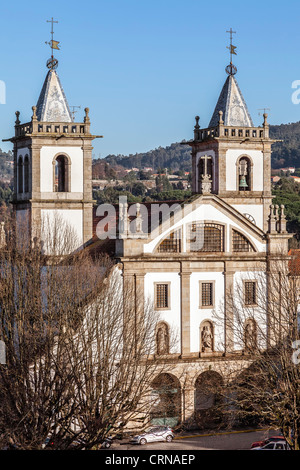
(52, 63)
(231, 69)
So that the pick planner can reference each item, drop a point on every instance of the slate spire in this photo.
(52, 105)
(231, 102)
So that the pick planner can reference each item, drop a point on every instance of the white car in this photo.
(277, 445)
(154, 434)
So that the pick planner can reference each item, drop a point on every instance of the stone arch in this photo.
(207, 337)
(208, 399)
(240, 242)
(171, 243)
(244, 167)
(61, 173)
(162, 337)
(166, 404)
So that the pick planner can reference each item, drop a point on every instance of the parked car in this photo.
(267, 440)
(154, 434)
(275, 445)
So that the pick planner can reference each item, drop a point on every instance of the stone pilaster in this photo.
(228, 310)
(185, 275)
(188, 404)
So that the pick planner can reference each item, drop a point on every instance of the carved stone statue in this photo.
(139, 219)
(207, 338)
(162, 339)
(250, 335)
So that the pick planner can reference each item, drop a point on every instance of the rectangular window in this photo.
(162, 295)
(206, 294)
(250, 292)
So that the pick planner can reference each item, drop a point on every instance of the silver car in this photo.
(154, 434)
(277, 445)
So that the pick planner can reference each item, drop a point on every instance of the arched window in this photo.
(20, 175)
(61, 174)
(171, 244)
(206, 237)
(240, 243)
(26, 174)
(244, 174)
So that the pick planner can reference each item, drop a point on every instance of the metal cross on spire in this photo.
(231, 69)
(52, 63)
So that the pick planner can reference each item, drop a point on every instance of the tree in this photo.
(79, 355)
(266, 334)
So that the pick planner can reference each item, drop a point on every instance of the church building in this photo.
(185, 261)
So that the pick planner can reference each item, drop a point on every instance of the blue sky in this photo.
(146, 68)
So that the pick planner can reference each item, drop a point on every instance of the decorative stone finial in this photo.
(221, 117)
(86, 117)
(17, 117)
(197, 118)
(272, 220)
(34, 116)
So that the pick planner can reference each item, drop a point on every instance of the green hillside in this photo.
(178, 157)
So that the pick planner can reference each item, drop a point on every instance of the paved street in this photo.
(198, 441)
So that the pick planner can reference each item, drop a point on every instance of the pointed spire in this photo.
(231, 102)
(52, 105)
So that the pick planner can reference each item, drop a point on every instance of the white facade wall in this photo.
(256, 313)
(256, 210)
(171, 316)
(215, 315)
(72, 218)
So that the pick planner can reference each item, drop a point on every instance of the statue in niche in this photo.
(162, 339)
(250, 335)
(207, 338)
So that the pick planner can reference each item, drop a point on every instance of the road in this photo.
(220, 441)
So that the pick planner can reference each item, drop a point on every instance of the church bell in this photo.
(243, 182)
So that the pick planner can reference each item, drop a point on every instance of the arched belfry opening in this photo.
(244, 174)
(26, 174)
(61, 174)
(20, 175)
(205, 174)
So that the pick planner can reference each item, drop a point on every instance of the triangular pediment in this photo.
(209, 209)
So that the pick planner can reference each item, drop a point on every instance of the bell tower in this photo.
(53, 166)
(231, 158)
